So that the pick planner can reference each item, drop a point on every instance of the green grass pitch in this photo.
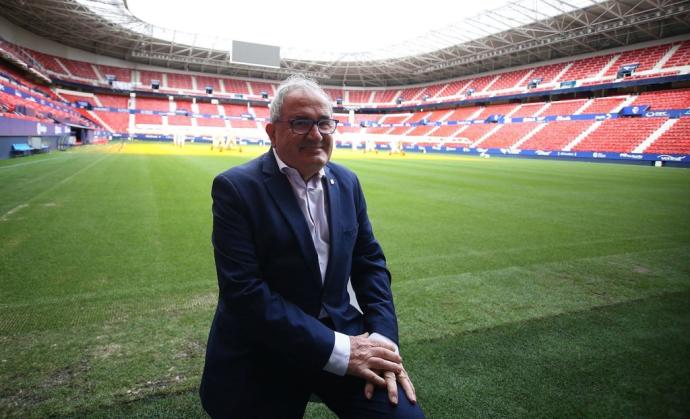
(524, 288)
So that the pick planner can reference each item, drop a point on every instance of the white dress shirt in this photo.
(311, 199)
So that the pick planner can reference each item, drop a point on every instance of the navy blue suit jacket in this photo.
(266, 333)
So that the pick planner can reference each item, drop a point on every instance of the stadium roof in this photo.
(316, 30)
(517, 33)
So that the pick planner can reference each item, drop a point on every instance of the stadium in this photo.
(525, 170)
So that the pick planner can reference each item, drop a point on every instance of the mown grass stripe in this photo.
(108, 286)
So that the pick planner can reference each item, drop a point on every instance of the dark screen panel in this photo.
(255, 54)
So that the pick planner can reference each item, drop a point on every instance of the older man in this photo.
(290, 230)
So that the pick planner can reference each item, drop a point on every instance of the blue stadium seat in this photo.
(21, 149)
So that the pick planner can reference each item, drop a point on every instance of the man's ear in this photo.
(271, 131)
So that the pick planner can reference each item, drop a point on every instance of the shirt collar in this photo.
(287, 170)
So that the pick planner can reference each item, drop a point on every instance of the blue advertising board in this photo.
(13, 127)
(680, 158)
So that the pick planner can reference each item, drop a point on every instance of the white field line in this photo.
(61, 182)
(30, 162)
(12, 211)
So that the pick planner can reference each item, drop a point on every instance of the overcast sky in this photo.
(347, 26)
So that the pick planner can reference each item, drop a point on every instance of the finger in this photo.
(373, 378)
(369, 390)
(386, 354)
(392, 387)
(383, 365)
(407, 386)
(382, 344)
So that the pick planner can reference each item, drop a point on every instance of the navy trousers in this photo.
(281, 391)
(343, 395)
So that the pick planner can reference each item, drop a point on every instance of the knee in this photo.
(407, 410)
(403, 410)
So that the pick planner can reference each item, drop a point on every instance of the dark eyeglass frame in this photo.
(293, 121)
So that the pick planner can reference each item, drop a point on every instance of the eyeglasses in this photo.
(303, 125)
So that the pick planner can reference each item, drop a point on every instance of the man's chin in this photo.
(315, 160)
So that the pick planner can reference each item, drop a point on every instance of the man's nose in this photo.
(314, 132)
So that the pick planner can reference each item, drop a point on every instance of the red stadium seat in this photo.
(619, 135)
(674, 141)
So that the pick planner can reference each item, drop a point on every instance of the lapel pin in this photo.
(332, 181)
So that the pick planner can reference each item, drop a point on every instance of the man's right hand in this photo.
(367, 356)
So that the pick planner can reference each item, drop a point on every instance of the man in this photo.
(290, 230)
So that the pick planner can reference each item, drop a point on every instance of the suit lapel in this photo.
(281, 191)
(332, 189)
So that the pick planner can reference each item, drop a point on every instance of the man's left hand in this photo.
(391, 385)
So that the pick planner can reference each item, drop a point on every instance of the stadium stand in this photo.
(385, 96)
(73, 98)
(152, 104)
(179, 120)
(674, 141)
(549, 73)
(115, 122)
(556, 135)
(79, 69)
(530, 109)
(412, 119)
(50, 62)
(203, 81)
(507, 135)
(359, 96)
(619, 135)
(481, 85)
(335, 94)
(645, 58)
(390, 120)
(441, 125)
(587, 71)
(13, 76)
(466, 113)
(680, 57)
(674, 99)
(510, 80)
(239, 111)
(235, 110)
(454, 88)
(236, 86)
(432, 91)
(426, 121)
(602, 105)
(506, 109)
(210, 110)
(256, 88)
(113, 101)
(182, 111)
(260, 112)
(411, 94)
(446, 131)
(121, 74)
(30, 103)
(146, 77)
(147, 119)
(179, 81)
(476, 132)
(564, 107)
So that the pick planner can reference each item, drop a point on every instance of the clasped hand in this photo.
(379, 365)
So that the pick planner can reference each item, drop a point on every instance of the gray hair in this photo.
(296, 82)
